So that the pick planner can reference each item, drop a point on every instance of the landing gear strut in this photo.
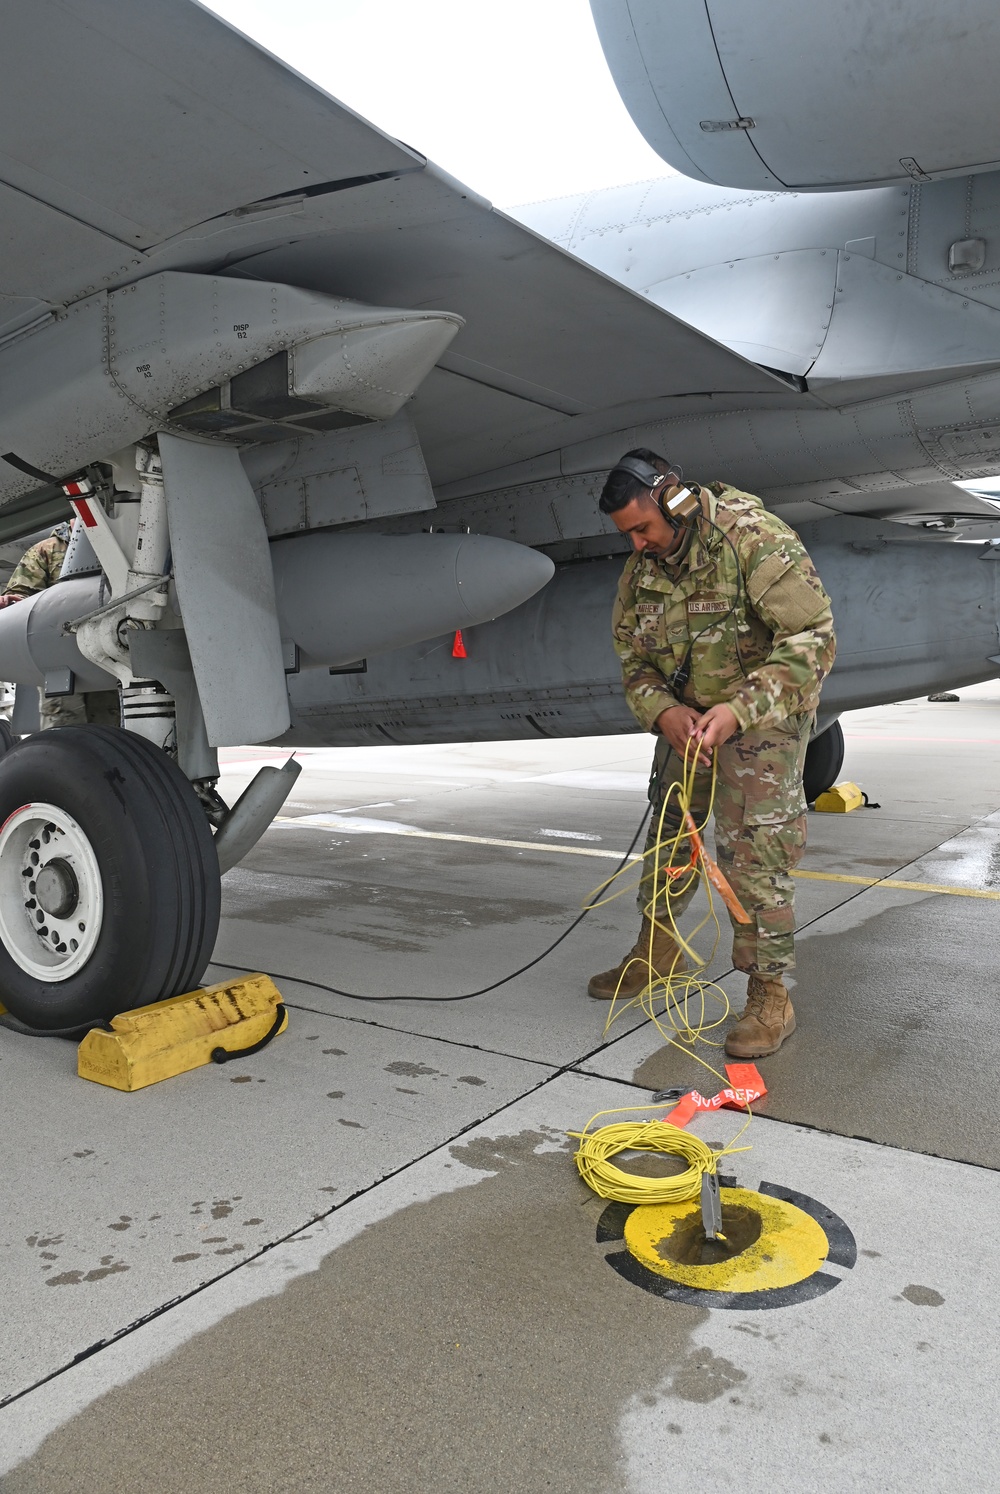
(109, 877)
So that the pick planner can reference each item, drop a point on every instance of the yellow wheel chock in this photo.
(171, 1037)
(841, 799)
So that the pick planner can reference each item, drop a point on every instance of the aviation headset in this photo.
(679, 507)
(677, 504)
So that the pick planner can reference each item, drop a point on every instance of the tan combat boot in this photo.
(765, 1022)
(632, 975)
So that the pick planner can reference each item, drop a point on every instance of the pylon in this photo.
(458, 647)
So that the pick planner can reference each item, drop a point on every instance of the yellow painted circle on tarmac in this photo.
(790, 1246)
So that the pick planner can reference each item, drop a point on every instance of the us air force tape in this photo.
(777, 1243)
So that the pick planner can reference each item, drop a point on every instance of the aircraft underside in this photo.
(912, 618)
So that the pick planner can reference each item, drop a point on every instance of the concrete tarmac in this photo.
(362, 1260)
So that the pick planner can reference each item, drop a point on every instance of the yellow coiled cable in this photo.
(677, 1004)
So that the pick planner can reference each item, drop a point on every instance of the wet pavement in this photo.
(362, 1260)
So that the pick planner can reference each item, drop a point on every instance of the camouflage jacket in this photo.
(40, 566)
(771, 606)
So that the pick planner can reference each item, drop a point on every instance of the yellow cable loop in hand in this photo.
(676, 1003)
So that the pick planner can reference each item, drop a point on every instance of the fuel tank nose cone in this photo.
(496, 575)
(343, 597)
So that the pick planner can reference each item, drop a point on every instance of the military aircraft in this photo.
(317, 407)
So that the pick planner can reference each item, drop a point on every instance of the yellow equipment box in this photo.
(170, 1037)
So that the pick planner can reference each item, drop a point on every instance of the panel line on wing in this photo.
(495, 378)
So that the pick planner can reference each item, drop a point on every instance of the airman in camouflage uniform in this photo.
(726, 626)
(39, 568)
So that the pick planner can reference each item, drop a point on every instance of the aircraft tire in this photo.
(824, 760)
(6, 738)
(109, 879)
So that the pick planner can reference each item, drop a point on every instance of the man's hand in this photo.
(679, 724)
(716, 726)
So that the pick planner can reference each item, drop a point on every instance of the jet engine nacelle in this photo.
(777, 93)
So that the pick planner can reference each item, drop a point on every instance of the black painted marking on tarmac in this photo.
(843, 1246)
(634, 1271)
(611, 1225)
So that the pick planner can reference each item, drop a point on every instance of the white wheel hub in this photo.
(51, 894)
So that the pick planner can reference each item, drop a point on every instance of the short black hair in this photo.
(621, 487)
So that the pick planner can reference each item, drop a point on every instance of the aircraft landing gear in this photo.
(109, 877)
(824, 760)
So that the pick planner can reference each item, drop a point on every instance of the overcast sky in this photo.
(514, 99)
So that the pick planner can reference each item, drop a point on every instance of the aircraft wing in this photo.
(142, 135)
(124, 122)
(941, 506)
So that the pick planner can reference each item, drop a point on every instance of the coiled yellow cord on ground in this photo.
(677, 1006)
(599, 1172)
(593, 1158)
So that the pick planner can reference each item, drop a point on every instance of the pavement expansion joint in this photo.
(313, 1011)
(436, 1037)
(180, 1298)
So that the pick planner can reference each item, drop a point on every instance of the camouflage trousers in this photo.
(760, 834)
(98, 708)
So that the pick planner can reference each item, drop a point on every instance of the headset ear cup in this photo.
(681, 505)
(664, 498)
(675, 524)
